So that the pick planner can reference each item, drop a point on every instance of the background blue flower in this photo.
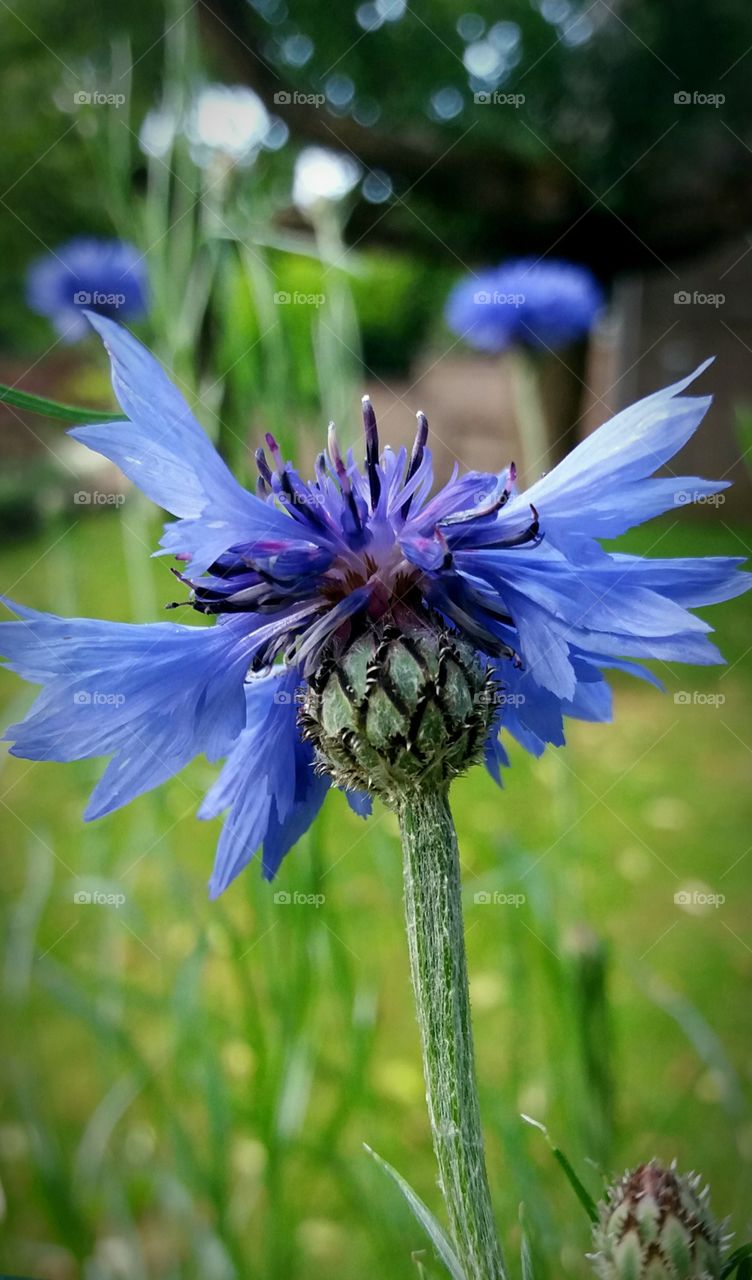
(533, 303)
(106, 276)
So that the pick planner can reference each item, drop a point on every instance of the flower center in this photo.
(391, 580)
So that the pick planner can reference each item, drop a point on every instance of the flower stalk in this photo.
(436, 942)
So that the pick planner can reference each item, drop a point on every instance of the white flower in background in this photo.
(323, 175)
(157, 132)
(229, 119)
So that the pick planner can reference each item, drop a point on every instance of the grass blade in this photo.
(425, 1218)
(53, 408)
(740, 1261)
(526, 1257)
(583, 1195)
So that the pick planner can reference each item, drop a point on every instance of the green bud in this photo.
(398, 709)
(655, 1225)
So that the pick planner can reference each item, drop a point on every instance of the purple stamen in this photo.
(344, 480)
(439, 537)
(475, 513)
(263, 466)
(275, 451)
(531, 534)
(337, 460)
(372, 451)
(416, 457)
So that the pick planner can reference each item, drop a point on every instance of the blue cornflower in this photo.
(106, 276)
(525, 302)
(301, 565)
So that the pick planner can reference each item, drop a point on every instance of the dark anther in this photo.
(491, 508)
(263, 466)
(416, 457)
(372, 451)
(528, 535)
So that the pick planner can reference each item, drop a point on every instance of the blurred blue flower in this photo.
(106, 276)
(538, 304)
(289, 568)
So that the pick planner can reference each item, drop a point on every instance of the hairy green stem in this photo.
(436, 941)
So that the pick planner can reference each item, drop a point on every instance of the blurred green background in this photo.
(187, 1086)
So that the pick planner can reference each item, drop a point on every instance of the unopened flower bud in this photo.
(401, 707)
(655, 1225)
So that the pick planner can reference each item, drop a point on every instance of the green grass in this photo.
(188, 1085)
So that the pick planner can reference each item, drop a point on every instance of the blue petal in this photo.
(545, 650)
(282, 834)
(600, 489)
(687, 646)
(267, 783)
(601, 597)
(614, 607)
(689, 581)
(360, 802)
(495, 756)
(151, 696)
(534, 716)
(593, 699)
(167, 454)
(426, 553)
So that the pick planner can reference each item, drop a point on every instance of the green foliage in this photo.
(738, 1263)
(584, 1197)
(426, 1219)
(53, 408)
(744, 433)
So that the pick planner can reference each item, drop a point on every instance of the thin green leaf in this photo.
(425, 1218)
(702, 1036)
(739, 1258)
(526, 1257)
(53, 409)
(583, 1195)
